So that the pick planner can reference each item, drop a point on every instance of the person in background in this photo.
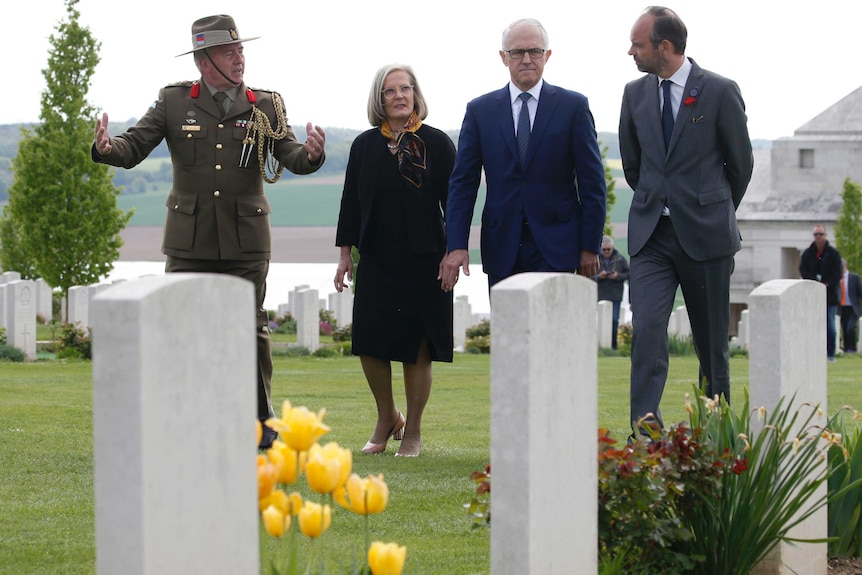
(822, 263)
(536, 144)
(851, 308)
(217, 212)
(392, 209)
(687, 156)
(611, 279)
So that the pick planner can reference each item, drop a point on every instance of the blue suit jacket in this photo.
(560, 191)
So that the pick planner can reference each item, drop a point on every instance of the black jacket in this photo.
(826, 269)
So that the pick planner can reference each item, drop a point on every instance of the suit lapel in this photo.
(544, 113)
(506, 123)
(693, 89)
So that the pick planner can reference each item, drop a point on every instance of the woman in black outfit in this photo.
(392, 210)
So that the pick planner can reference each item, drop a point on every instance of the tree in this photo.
(610, 182)
(848, 227)
(62, 206)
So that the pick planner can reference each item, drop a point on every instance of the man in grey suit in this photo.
(687, 155)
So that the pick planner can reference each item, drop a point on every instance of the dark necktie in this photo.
(221, 98)
(523, 128)
(666, 114)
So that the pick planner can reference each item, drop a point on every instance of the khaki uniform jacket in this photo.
(216, 208)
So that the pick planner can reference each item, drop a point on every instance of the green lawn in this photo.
(46, 483)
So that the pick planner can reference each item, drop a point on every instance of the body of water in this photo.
(283, 278)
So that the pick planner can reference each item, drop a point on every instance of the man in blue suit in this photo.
(545, 204)
(687, 155)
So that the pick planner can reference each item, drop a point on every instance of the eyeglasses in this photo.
(518, 53)
(817, 234)
(404, 90)
(607, 250)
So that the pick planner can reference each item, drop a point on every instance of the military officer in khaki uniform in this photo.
(225, 140)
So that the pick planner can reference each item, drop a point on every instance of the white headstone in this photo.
(544, 404)
(291, 298)
(672, 324)
(283, 310)
(307, 315)
(462, 320)
(744, 329)
(341, 304)
(21, 316)
(788, 334)
(7, 277)
(44, 300)
(683, 324)
(79, 306)
(605, 323)
(3, 319)
(174, 406)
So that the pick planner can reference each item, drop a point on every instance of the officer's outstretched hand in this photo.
(101, 139)
(314, 142)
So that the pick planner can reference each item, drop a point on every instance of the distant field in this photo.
(313, 201)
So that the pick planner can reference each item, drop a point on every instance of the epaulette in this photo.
(181, 84)
(261, 90)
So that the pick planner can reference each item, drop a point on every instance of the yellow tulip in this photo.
(327, 467)
(314, 519)
(332, 449)
(294, 503)
(275, 521)
(267, 473)
(277, 499)
(363, 496)
(386, 558)
(285, 458)
(322, 473)
(299, 427)
(259, 429)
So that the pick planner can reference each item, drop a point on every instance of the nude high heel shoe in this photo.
(396, 433)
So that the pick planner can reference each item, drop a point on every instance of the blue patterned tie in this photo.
(666, 114)
(523, 128)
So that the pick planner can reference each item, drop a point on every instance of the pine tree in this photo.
(848, 227)
(62, 205)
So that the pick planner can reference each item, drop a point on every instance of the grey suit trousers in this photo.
(656, 272)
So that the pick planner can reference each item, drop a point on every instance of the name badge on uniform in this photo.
(191, 128)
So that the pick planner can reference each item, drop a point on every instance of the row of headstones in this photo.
(544, 503)
(22, 300)
(304, 304)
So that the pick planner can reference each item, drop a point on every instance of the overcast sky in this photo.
(790, 62)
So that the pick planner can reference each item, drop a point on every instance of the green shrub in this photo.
(74, 342)
(328, 316)
(2, 336)
(478, 344)
(680, 345)
(481, 329)
(9, 353)
(714, 495)
(343, 334)
(285, 325)
(845, 511)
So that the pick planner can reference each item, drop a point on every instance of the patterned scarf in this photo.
(411, 150)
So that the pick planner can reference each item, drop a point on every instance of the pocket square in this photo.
(696, 119)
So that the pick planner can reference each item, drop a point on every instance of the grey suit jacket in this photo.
(705, 172)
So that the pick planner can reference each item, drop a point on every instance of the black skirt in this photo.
(398, 300)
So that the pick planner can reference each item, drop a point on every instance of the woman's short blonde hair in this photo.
(376, 110)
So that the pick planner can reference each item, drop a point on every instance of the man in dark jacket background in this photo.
(821, 262)
(613, 274)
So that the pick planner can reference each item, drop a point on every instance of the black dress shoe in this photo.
(269, 435)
